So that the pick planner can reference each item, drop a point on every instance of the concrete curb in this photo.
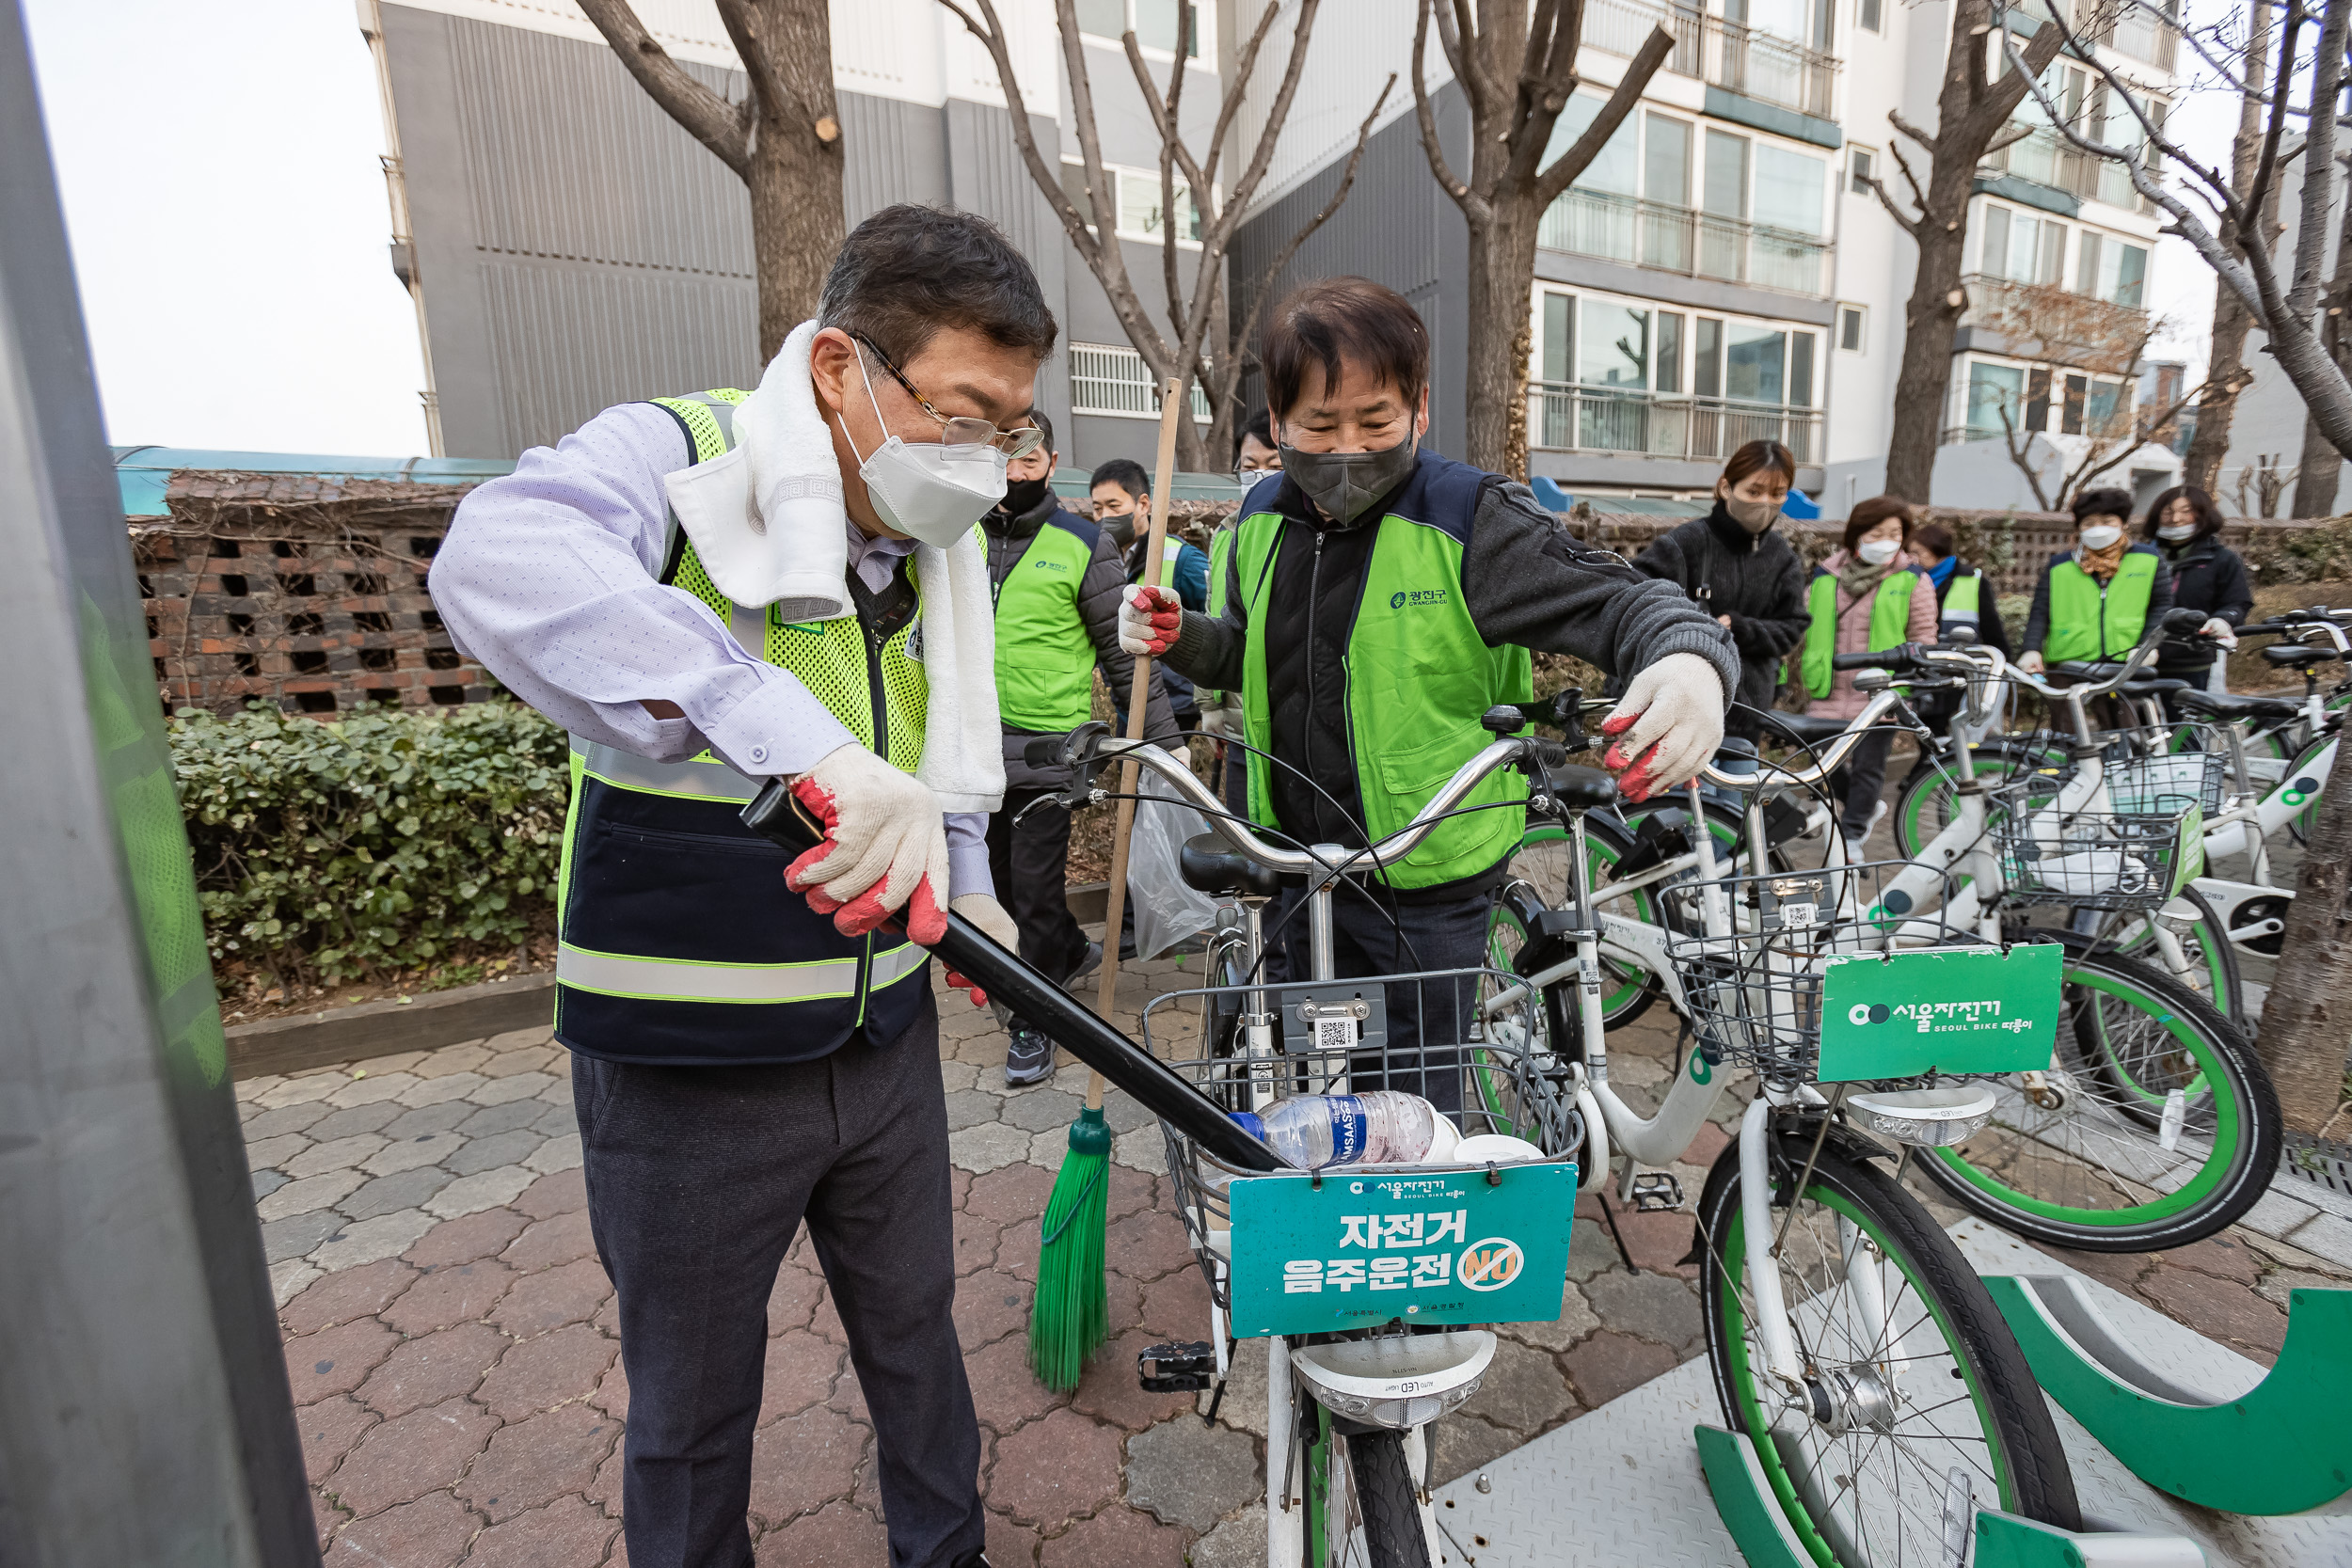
(470, 1013)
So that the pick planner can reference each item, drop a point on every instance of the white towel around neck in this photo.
(767, 520)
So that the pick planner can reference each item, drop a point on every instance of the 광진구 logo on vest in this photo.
(1405, 596)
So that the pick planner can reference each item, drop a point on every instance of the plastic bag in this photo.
(1166, 911)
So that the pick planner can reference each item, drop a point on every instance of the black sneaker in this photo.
(1087, 965)
(1030, 1057)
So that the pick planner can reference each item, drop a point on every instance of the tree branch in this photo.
(1473, 205)
(709, 119)
(2023, 459)
(1245, 66)
(1587, 147)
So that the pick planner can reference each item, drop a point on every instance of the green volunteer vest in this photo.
(2092, 620)
(1044, 659)
(1418, 677)
(1890, 623)
(1220, 557)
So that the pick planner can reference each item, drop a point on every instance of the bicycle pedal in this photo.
(1185, 1368)
(1655, 1190)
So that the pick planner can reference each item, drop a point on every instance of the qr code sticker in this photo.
(1797, 916)
(1335, 1034)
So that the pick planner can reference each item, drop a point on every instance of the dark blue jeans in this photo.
(1428, 1020)
(698, 1179)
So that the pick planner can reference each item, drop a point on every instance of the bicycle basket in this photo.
(1440, 1034)
(2128, 858)
(1755, 994)
(2140, 785)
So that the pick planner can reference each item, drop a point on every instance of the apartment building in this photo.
(1722, 271)
(570, 247)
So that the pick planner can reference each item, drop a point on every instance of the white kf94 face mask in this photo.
(1877, 552)
(2100, 536)
(921, 490)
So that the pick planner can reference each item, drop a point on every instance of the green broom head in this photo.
(1070, 1316)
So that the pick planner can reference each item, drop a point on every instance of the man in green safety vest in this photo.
(710, 592)
(1379, 599)
(1056, 579)
(2095, 600)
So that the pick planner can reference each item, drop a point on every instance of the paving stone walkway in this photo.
(451, 1336)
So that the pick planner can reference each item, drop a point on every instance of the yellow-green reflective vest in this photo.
(1890, 621)
(2089, 619)
(1963, 603)
(678, 942)
(1044, 659)
(1220, 566)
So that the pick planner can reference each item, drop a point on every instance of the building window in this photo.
(1850, 321)
(1135, 198)
(1155, 23)
(1115, 381)
(1993, 390)
(2021, 247)
(1869, 16)
(1861, 166)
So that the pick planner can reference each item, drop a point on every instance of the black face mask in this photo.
(1121, 528)
(1023, 495)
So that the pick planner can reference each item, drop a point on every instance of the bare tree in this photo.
(1202, 344)
(2043, 321)
(2226, 375)
(2321, 466)
(2308, 1011)
(2109, 444)
(1517, 67)
(783, 141)
(1973, 112)
(2268, 481)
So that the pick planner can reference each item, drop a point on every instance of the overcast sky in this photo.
(219, 166)
(222, 189)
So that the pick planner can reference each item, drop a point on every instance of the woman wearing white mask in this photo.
(1869, 595)
(2094, 601)
(2207, 575)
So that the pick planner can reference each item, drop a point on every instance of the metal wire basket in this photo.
(2140, 786)
(1418, 1032)
(1754, 996)
(2127, 857)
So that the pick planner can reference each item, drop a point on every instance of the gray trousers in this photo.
(698, 1179)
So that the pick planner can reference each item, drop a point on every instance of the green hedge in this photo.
(384, 841)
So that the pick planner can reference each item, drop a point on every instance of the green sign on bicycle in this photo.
(1950, 1009)
(1436, 1247)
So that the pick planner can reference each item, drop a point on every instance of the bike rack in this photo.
(1760, 1529)
(2280, 1447)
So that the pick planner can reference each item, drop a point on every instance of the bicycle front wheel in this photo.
(1929, 799)
(1542, 863)
(1918, 1407)
(1389, 1500)
(2209, 959)
(2155, 1127)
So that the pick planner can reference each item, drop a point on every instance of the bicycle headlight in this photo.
(1933, 1118)
(1396, 1380)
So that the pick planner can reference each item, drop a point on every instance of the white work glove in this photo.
(2220, 631)
(1669, 721)
(990, 917)
(885, 846)
(2031, 663)
(1149, 620)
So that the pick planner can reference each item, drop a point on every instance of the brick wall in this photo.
(298, 591)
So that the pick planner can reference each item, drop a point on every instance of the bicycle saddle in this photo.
(1209, 864)
(2154, 686)
(1805, 729)
(2229, 704)
(2296, 655)
(2086, 670)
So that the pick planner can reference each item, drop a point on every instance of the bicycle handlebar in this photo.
(1769, 771)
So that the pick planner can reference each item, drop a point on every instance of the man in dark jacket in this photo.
(1056, 579)
(1752, 581)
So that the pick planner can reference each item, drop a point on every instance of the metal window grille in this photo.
(1115, 381)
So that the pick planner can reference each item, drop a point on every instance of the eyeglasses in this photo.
(963, 435)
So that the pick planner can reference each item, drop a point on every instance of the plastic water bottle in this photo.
(1385, 1127)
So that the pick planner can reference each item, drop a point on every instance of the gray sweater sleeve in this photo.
(1208, 650)
(1528, 583)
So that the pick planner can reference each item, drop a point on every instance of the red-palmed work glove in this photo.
(1149, 620)
(990, 917)
(885, 851)
(1669, 721)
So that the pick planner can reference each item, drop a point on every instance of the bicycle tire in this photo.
(1387, 1501)
(2050, 1173)
(2205, 944)
(1541, 862)
(1923, 808)
(1844, 1498)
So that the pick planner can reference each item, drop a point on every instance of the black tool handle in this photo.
(1060, 1017)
